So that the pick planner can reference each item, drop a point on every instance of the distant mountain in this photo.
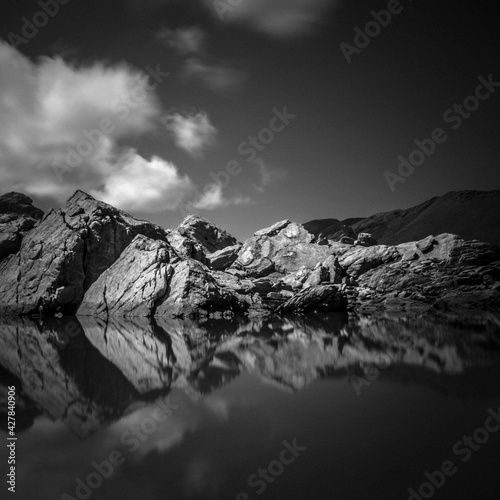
(472, 215)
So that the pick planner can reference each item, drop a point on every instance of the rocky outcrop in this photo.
(60, 258)
(18, 216)
(94, 259)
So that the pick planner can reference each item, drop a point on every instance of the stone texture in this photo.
(135, 283)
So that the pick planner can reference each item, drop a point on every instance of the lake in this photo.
(322, 407)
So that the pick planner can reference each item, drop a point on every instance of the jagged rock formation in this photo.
(17, 217)
(94, 259)
(150, 279)
(60, 258)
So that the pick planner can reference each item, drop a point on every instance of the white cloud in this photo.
(192, 132)
(213, 197)
(52, 139)
(139, 184)
(280, 18)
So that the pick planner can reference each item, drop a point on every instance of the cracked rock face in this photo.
(134, 284)
(150, 279)
(65, 254)
(18, 216)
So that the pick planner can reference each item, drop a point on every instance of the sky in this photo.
(248, 112)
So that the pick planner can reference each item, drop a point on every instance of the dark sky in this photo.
(225, 78)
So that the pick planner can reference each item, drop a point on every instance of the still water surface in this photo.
(325, 407)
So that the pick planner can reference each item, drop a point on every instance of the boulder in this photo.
(284, 247)
(365, 240)
(135, 283)
(361, 259)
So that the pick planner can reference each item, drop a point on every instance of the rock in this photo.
(62, 256)
(135, 283)
(361, 259)
(222, 259)
(194, 291)
(18, 216)
(365, 240)
(426, 244)
(315, 298)
(284, 247)
(210, 237)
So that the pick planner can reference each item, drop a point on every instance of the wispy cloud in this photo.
(197, 64)
(278, 18)
(193, 132)
(213, 197)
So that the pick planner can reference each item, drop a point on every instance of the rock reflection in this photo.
(111, 367)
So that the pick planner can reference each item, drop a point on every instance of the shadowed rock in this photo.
(18, 216)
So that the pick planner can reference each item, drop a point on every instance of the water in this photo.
(326, 407)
